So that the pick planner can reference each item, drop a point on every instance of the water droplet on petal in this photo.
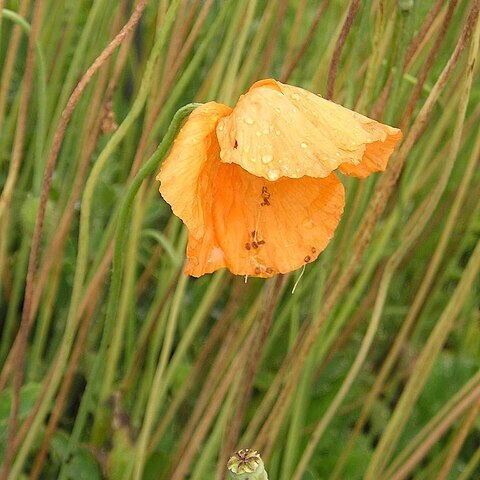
(303, 145)
(273, 175)
(253, 159)
(216, 255)
(249, 121)
(220, 127)
(277, 132)
(308, 223)
(295, 96)
(267, 159)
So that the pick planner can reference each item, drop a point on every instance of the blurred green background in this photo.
(370, 369)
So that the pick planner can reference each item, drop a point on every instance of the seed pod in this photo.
(246, 464)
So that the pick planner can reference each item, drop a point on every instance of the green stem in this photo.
(40, 130)
(405, 32)
(124, 213)
(153, 402)
(122, 229)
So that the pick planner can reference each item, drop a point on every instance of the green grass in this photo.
(116, 365)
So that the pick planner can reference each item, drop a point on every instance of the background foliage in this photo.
(369, 370)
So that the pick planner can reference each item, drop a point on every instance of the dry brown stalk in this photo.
(288, 69)
(352, 13)
(265, 63)
(9, 64)
(167, 82)
(74, 98)
(4, 203)
(434, 437)
(272, 291)
(459, 441)
(203, 425)
(422, 32)
(383, 190)
(412, 50)
(224, 330)
(447, 19)
(92, 295)
(20, 345)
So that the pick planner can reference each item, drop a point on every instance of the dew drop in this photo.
(267, 159)
(277, 109)
(220, 127)
(296, 96)
(253, 159)
(304, 145)
(248, 121)
(216, 255)
(277, 132)
(273, 175)
(308, 223)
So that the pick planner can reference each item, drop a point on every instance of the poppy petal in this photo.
(269, 136)
(377, 153)
(188, 172)
(266, 227)
(349, 130)
(204, 255)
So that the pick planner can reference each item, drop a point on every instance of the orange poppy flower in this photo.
(255, 185)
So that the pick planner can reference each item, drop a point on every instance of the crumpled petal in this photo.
(265, 227)
(269, 137)
(204, 255)
(377, 153)
(187, 174)
(280, 130)
(349, 130)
